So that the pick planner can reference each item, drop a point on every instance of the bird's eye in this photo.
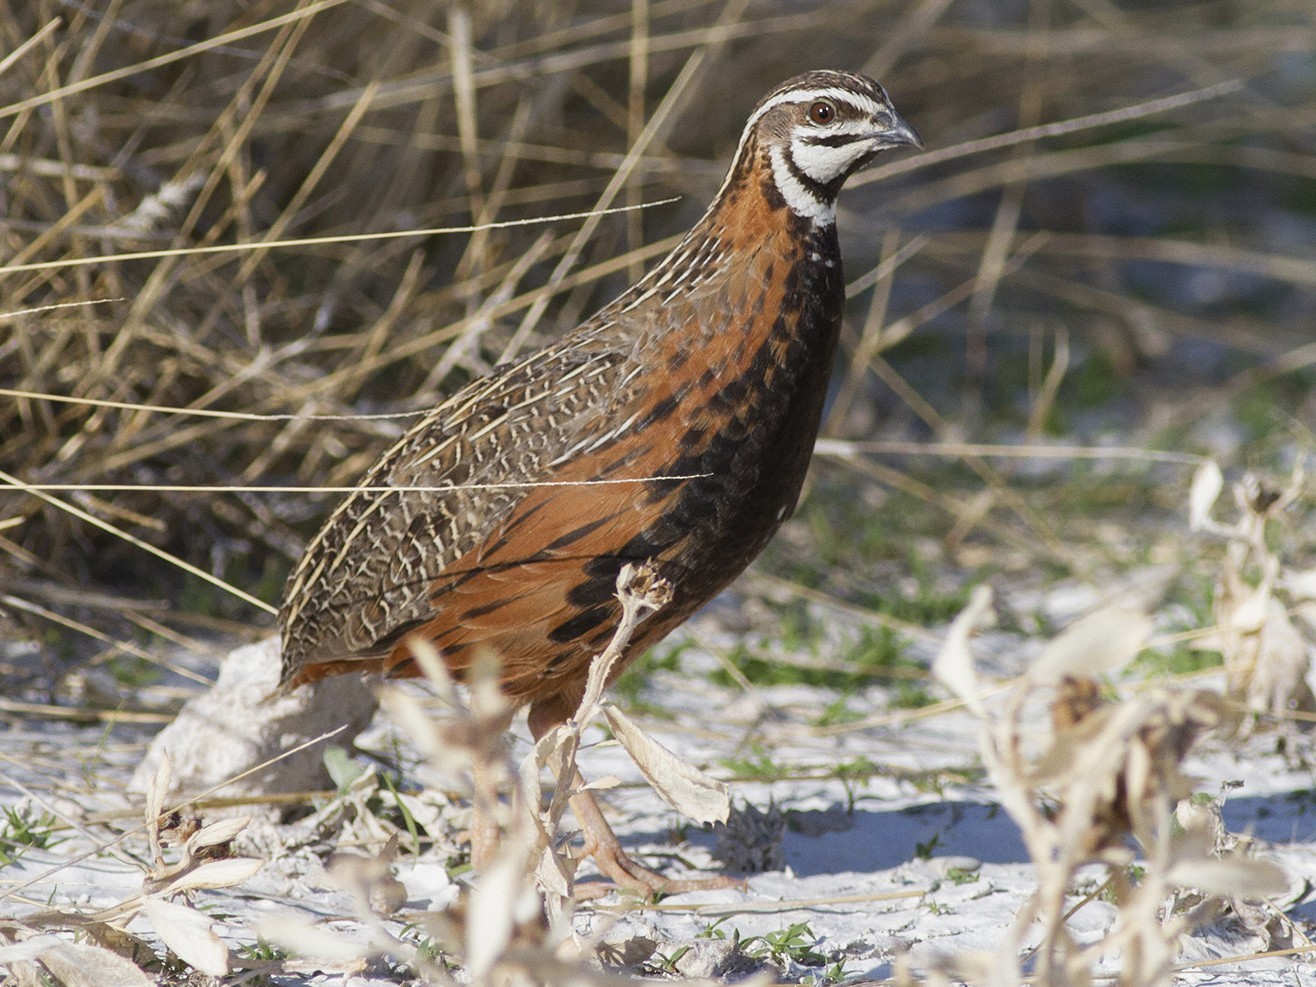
(822, 111)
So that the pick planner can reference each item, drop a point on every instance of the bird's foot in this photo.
(625, 874)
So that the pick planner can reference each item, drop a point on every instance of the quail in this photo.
(700, 389)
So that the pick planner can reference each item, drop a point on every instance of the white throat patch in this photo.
(823, 163)
(798, 198)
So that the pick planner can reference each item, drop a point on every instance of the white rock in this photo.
(236, 726)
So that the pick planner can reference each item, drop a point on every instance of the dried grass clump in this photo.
(1104, 772)
(1268, 654)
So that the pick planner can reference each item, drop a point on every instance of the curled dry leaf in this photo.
(80, 965)
(213, 874)
(158, 789)
(953, 666)
(641, 592)
(188, 933)
(1242, 877)
(1267, 658)
(682, 786)
(431, 663)
(1247, 609)
(554, 871)
(1100, 643)
(218, 833)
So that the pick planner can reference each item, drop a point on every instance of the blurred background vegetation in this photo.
(1145, 278)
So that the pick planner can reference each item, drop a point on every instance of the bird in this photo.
(674, 427)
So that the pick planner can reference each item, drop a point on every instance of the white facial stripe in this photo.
(799, 199)
(857, 100)
(823, 163)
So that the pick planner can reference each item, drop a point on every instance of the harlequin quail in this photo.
(703, 383)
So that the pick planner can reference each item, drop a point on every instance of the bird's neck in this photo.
(771, 174)
(759, 217)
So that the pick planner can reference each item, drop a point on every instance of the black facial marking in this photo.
(831, 140)
(818, 190)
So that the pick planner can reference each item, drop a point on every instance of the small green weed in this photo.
(961, 875)
(663, 963)
(794, 944)
(853, 775)
(343, 771)
(263, 951)
(20, 830)
(911, 695)
(834, 974)
(1135, 872)
(837, 711)
(757, 763)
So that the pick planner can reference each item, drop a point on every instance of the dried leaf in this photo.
(680, 784)
(218, 833)
(1207, 484)
(81, 965)
(1279, 675)
(27, 949)
(1306, 612)
(555, 872)
(492, 918)
(1243, 877)
(213, 874)
(556, 750)
(1098, 643)
(188, 933)
(311, 939)
(431, 663)
(953, 666)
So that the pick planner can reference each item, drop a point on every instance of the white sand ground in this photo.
(909, 860)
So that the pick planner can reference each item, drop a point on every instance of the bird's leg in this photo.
(601, 842)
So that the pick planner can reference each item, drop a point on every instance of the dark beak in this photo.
(898, 132)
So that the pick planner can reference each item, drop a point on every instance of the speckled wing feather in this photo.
(365, 579)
